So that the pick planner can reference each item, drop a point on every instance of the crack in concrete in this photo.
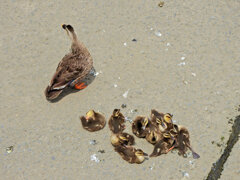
(217, 167)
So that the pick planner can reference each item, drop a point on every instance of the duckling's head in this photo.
(116, 112)
(145, 123)
(168, 118)
(140, 155)
(90, 114)
(167, 135)
(123, 138)
(114, 139)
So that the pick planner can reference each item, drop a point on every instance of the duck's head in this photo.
(116, 112)
(68, 27)
(168, 118)
(90, 114)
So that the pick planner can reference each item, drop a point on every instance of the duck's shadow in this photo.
(87, 80)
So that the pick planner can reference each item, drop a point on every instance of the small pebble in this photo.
(94, 158)
(125, 94)
(9, 149)
(194, 74)
(182, 64)
(115, 85)
(133, 110)
(128, 119)
(93, 142)
(123, 105)
(185, 82)
(168, 44)
(125, 44)
(160, 4)
(185, 174)
(158, 33)
(101, 151)
(182, 58)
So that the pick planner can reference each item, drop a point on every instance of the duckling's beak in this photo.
(145, 154)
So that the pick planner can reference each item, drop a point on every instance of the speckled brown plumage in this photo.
(73, 67)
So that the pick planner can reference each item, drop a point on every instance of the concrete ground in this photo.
(186, 61)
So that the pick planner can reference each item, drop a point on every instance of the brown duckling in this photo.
(182, 141)
(161, 147)
(165, 144)
(139, 126)
(156, 115)
(130, 154)
(154, 136)
(165, 124)
(94, 121)
(116, 122)
(72, 69)
(122, 139)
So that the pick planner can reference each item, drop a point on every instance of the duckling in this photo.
(72, 69)
(154, 136)
(130, 154)
(116, 122)
(161, 147)
(93, 121)
(165, 144)
(139, 126)
(165, 123)
(122, 139)
(156, 115)
(182, 142)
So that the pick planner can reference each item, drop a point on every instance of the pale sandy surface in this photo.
(48, 140)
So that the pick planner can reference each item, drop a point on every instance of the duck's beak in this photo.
(64, 26)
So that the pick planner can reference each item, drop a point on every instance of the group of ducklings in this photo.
(158, 130)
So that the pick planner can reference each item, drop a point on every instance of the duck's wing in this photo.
(70, 68)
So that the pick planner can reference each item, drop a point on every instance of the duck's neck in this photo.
(78, 48)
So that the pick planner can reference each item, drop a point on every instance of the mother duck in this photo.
(72, 69)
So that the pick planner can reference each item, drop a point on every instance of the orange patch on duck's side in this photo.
(80, 86)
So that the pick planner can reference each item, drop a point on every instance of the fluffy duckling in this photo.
(93, 121)
(153, 137)
(122, 139)
(161, 147)
(116, 122)
(165, 144)
(165, 123)
(139, 126)
(130, 154)
(72, 69)
(156, 115)
(182, 142)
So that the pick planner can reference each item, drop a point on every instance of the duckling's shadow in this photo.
(68, 90)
